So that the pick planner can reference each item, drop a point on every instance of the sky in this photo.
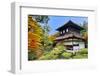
(57, 21)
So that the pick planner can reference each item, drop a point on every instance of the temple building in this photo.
(70, 36)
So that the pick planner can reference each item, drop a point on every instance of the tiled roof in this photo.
(66, 36)
(70, 24)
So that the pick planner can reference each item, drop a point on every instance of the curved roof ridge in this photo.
(70, 23)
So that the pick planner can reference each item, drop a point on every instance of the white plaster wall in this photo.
(81, 45)
(67, 43)
(70, 43)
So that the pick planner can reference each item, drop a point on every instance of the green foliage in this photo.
(47, 44)
(83, 51)
(49, 56)
(80, 56)
(31, 56)
(54, 54)
(58, 50)
(59, 53)
(66, 55)
(60, 47)
(40, 18)
(77, 57)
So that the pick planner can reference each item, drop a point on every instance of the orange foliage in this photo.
(34, 36)
(33, 40)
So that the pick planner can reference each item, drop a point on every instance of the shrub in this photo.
(66, 55)
(85, 55)
(56, 51)
(54, 54)
(78, 57)
(48, 57)
(45, 57)
(83, 51)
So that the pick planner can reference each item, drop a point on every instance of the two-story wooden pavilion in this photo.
(70, 36)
